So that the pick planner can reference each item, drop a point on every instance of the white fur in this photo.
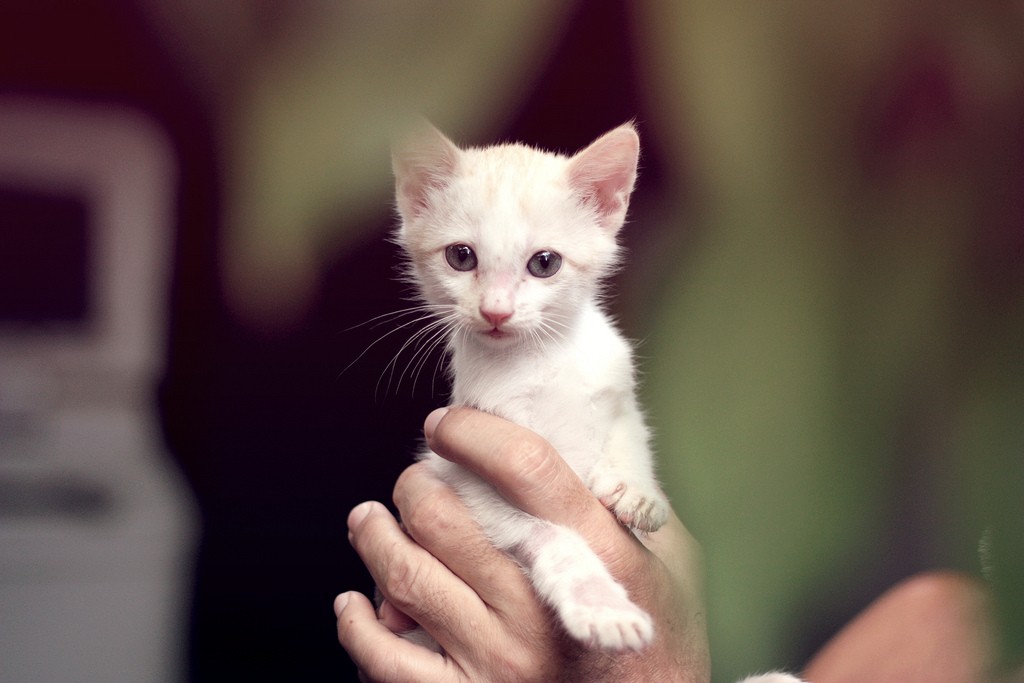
(558, 366)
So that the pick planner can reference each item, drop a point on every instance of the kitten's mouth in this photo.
(497, 333)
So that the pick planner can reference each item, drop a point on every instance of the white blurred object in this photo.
(97, 528)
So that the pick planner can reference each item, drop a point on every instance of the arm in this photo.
(476, 603)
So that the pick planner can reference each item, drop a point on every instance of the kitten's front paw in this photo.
(640, 507)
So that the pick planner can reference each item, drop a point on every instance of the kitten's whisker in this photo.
(392, 365)
(441, 358)
(378, 320)
(424, 313)
(417, 339)
(418, 361)
(374, 343)
(553, 333)
(559, 321)
(426, 346)
(394, 315)
(427, 332)
(425, 342)
(532, 337)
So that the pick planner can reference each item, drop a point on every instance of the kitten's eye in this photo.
(544, 264)
(460, 257)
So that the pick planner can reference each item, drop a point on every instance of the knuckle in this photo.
(428, 517)
(407, 483)
(529, 461)
(404, 580)
(381, 665)
(523, 662)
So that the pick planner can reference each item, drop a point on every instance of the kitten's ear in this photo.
(603, 174)
(424, 160)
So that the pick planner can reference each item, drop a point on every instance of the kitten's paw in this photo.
(614, 623)
(640, 507)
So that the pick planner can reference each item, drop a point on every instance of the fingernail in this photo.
(432, 421)
(340, 603)
(358, 514)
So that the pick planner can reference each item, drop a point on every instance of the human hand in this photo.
(443, 574)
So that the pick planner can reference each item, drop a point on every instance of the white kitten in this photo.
(509, 246)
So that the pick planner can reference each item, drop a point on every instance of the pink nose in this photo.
(495, 318)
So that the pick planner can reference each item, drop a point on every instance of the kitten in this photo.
(509, 246)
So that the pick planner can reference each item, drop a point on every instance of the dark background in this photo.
(277, 439)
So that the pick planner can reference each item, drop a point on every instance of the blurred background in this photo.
(825, 278)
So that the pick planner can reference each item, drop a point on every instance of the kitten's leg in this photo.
(565, 572)
(592, 605)
(623, 478)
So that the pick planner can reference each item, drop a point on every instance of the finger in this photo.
(439, 521)
(528, 472)
(675, 547)
(381, 655)
(680, 558)
(395, 619)
(518, 462)
(413, 580)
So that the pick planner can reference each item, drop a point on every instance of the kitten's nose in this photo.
(495, 318)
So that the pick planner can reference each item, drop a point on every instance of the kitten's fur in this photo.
(538, 351)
